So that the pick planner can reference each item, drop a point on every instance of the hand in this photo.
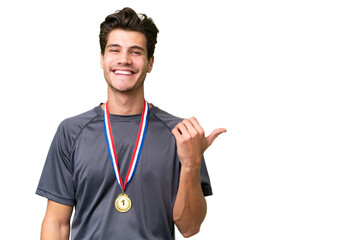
(191, 141)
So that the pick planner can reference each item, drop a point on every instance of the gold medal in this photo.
(123, 203)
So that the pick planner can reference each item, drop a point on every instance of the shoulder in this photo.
(169, 120)
(71, 127)
(81, 120)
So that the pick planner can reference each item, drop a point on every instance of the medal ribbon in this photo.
(138, 146)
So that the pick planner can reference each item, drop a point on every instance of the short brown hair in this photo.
(128, 19)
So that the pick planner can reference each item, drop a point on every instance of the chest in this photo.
(157, 166)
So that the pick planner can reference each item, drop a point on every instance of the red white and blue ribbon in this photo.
(137, 150)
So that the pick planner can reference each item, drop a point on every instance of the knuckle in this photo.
(185, 121)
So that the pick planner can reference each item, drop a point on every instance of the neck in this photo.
(125, 103)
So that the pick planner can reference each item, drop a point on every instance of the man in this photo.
(130, 169)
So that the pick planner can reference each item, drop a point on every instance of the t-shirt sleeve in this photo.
(56, 182)
(205, 180)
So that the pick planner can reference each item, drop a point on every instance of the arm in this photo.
(56, 223)
(190, 204)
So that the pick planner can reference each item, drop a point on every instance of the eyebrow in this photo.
(118, 45)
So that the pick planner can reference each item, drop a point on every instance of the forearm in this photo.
(190, 204)
(52, 230)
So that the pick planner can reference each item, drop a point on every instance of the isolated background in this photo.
(281, 76)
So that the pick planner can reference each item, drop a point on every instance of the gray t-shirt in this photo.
(78, 172)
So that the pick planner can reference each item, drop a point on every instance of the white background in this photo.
(281, 76)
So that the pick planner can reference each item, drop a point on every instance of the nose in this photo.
(124, 59)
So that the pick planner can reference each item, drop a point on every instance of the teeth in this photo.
(122, 72)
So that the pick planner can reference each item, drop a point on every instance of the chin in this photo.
(125, 86)
(122, 89)
(126, 89)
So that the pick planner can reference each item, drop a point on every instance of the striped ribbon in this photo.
(137, 150)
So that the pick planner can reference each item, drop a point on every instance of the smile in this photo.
(123, 72)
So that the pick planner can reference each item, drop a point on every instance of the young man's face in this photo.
(125, 62)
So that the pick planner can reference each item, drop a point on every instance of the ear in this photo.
(150, 64)
(101, 61)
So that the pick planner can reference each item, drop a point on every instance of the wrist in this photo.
(192, 165)
(190, 170)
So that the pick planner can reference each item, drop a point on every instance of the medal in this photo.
(123, 202)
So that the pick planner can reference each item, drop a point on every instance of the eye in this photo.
(136, 52)
(114, 50)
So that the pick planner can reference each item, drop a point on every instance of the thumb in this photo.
(213, 135)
